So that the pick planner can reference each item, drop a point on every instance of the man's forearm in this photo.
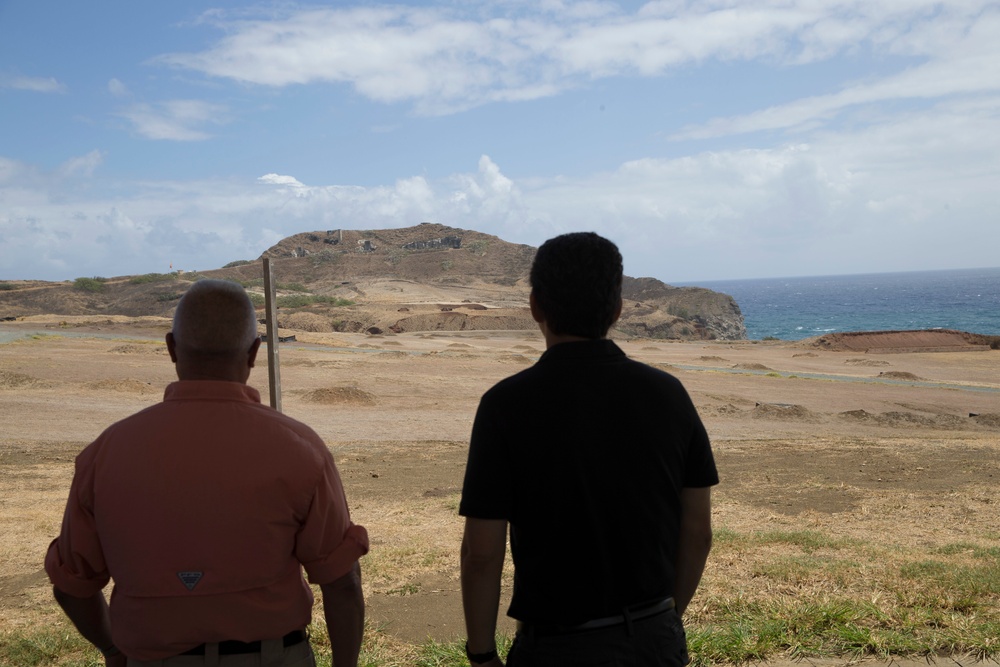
(483, 552)
(481, 600)
(695, 544)
(344, 611)
(89, 615)
(691, 560)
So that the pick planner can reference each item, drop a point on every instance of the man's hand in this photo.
(118, 660)
(495, 662)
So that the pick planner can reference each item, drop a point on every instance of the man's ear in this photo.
(252, 353)
(171, 346)
(536, 310)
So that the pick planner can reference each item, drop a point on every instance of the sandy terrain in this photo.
(888, 446)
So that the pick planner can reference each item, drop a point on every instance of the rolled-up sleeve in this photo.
(75, 561)
(328, 543)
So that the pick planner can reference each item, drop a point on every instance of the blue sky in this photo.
(712, 140)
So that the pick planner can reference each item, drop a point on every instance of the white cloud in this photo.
(117, 88)
(175, 120)
(83, 165)
(10, 169)
(969, 65)
(33, 84)
(444, 59)
(907, 189)
(278, 179)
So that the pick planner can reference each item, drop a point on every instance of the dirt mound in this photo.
(805, 354)
(752, 367)
(393, 354)
(136, 348)
(899, 375)
(927, 340)
(514, 359)
(784, 411)
(11, 380)
(898, 419)
(712, 358)
(340, 395)
(989, 420)
(866, 362)
(123, 385)
(666, 368)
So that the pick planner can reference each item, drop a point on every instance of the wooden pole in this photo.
(271, 324)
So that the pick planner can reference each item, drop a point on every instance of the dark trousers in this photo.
(657, 641)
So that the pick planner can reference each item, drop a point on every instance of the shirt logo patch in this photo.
(190, 579)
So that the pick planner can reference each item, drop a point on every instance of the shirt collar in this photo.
(598, 348)
(211, 390)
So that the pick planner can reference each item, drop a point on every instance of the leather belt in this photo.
(233, 647)
(633, 613)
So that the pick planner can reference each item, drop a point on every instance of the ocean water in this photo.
(796, 308)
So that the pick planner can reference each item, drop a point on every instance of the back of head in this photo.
(576, 280)
(215, 318)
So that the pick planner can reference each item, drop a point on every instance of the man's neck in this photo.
(212, 372)
(555, 339)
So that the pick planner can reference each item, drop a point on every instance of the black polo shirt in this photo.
(585, 454)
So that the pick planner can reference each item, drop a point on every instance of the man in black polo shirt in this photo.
(603, 470)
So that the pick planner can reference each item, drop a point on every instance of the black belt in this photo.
(233, 647)
(629, 614)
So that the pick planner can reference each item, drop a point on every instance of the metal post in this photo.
(271, 324)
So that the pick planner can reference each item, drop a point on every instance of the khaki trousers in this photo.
(272, 654)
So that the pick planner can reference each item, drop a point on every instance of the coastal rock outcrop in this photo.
(664, 311)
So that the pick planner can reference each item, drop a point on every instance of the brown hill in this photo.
(424, 278)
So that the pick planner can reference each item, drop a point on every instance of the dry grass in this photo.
(834, 537)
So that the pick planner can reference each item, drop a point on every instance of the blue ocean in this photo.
(796, 308)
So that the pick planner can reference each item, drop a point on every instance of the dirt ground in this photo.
(897, 447)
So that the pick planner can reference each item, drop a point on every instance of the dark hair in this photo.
(577, 282)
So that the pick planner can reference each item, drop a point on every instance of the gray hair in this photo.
(215, 317)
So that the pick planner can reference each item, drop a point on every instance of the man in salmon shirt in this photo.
(205, 509)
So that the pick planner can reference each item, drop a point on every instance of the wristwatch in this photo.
(480, 658)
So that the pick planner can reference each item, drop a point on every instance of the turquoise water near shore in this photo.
(796, 308)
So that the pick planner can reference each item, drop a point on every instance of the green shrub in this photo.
(478, 247)
(303, 300)
(6, 287)
(168, 296)
(679, 311)
(95, 284)
(239, 262)
(152, 278)
(325, 257)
